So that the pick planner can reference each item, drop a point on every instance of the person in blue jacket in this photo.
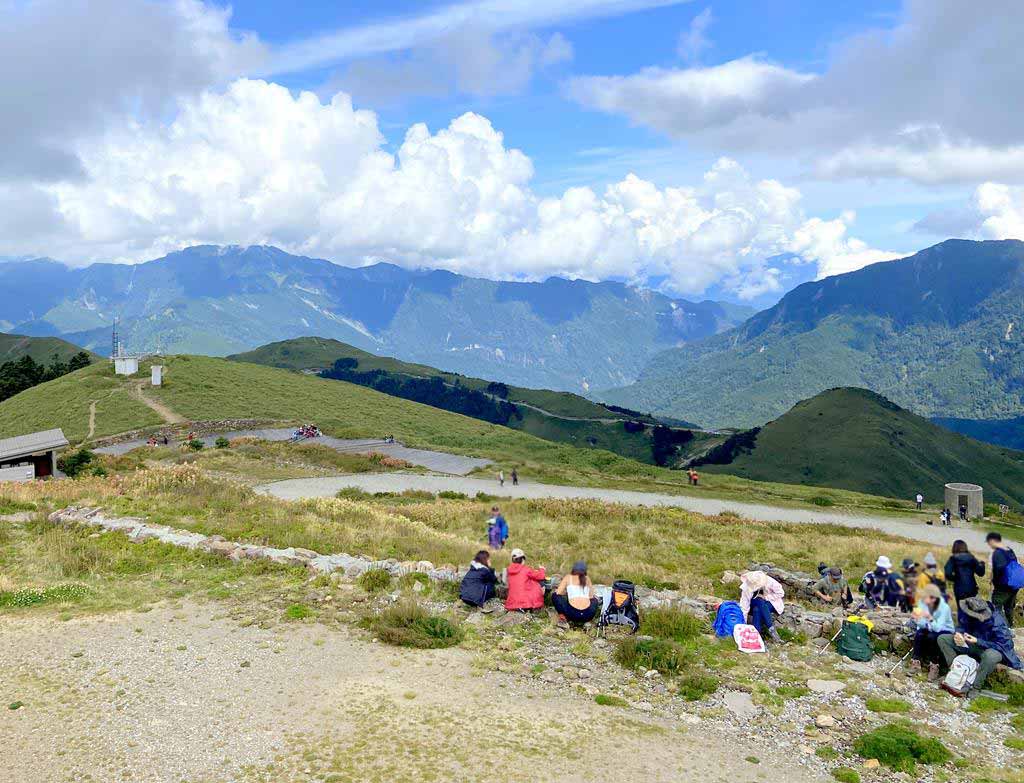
(499, 520)
(932, 618)
(982, 633)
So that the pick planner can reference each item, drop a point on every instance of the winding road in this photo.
(296, 489)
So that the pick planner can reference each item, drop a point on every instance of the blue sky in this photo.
(682, 144)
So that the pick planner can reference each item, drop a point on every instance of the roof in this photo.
(23, 445)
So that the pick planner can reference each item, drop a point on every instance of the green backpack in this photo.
(854, 641)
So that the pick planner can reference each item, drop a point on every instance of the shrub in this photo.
(409, 580)
(376, 580)
(1017, 721)
(694, 687)
(353, 493)
(99, 471)
(662, 655)
(449, 494)
(674, 624)
(33, 596)
(846, 775)
(875, 704)
(826, 752)
(222, 443)
(74, 463)
(983, 704)
(1016, 743)
(10, 506)
(792, 691)
(610, 701)
(822, 500)
(298, 612)
(410, 625)
(901, 748)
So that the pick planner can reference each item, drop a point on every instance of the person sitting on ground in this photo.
(929, 575)
(574, 599)
(761, 602)
(982, 633)
(962, 570)
(932, 618)
(1003, 596)
(882, 586)
(479, 584)
(525, 584)
(832, 588)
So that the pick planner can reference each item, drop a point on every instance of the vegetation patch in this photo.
(877, 704)
(662, 655)
(694, 687)
(792, 691)
(1016, 743)
(606, 700)
(298, 612)
(822, 500)
(901, 748)
(674, 624)
(74, 463)
(846, 775)
(222, 443)
(410, 625)
(64, 593)
(374, 581)
(11, 506)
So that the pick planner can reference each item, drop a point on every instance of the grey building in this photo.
(967, 496)
(32, 456)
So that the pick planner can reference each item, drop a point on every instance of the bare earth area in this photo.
(294, 489)
(191, 694)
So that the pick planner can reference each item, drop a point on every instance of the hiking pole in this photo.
(826, 646)
(901, 660)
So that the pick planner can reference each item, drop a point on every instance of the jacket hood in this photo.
(515, 568)
(963, 557)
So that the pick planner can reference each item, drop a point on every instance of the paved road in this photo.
(440, 462)
(295, 489)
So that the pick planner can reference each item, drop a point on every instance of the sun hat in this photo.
(835, 571)
(517, 553)
(883, 562)
(929, 560)
(931, 591)
(977, 608)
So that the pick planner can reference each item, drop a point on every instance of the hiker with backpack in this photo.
(983, 635)
(962, 570)
(932, 619)
(882, 586)
(832, 588)
(497, 529)
(929, 575)
(574, 598)
(761, 602)
(1007, 576)
(525, 584)
(479, 585)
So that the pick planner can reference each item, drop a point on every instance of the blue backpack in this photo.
(1014, 572)
(729, 616)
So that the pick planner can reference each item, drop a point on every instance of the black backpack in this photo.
(621, 608)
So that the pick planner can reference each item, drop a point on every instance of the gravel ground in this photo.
(398, 482)
(187, 694)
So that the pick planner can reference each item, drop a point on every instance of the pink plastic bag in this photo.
(748, 639)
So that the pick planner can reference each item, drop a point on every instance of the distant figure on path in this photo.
(695, 477)
(515, 478)
(501, 478)
(919, 500)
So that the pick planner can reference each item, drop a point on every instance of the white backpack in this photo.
(962, 673)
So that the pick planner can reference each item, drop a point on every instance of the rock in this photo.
(826, 687)
(858, 667)
(740, 704)
(872, 764)
(690, 718)
(824, 721)
(550, 676)
(583, 674)
(652, 674)
(807, 750)
(730, 577)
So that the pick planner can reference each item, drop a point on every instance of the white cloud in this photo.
(256, 164)
(994, 211)
(933, 99)
(693, 41)
(837, 253)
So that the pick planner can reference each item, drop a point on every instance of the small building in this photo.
(33, 456)
(965, 496)
(156, 375)
(126, 365)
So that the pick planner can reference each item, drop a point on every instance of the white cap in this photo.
(929, 560)
(883, 562)
(516, 553)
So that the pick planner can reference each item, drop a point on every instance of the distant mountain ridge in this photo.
(938, 333)
(557, 334)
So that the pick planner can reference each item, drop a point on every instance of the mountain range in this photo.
(938, 333)
(559, 334)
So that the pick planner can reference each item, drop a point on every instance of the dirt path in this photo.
(92, 420)
(161, 410)
(189, 694)
(294, 489)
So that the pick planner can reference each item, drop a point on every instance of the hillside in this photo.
(939, 333)
(39, 349)
(855, 439)
(558, 416)
(557, 334)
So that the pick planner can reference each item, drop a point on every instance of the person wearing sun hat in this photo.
(981, 633)
(882, 586)
(525, 590)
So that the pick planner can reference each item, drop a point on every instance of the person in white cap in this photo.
(525, 591)
(882, 586)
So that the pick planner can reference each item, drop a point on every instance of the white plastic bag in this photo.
(748, 639)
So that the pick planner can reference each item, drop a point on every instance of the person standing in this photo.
(515, 478)
(500, 526)
(1004, 597)
(962, 570)
(501, 478)
(919, 499)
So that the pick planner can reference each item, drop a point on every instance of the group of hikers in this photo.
(306, 431)
(693, 477)
(514, 476)
(945, 516)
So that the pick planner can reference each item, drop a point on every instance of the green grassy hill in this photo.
(41, 349)
(559, 416)
(855, 439)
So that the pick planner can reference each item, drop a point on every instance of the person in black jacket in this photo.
(962, 570)
(1003, 596)
(478, 585)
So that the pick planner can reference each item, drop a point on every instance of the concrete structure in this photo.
(156, 374)
(28, 457)
(126, 365)
(968, 496)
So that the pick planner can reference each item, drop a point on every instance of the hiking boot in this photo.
(933, 672)
(773, 634)
(915, 666)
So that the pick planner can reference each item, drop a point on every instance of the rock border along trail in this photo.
(297, 489)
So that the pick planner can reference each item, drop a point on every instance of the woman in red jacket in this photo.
(524, 584)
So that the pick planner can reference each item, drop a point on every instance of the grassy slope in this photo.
(855, 439)
(41, 349)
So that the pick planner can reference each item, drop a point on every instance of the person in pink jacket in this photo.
(524, 584)
(761, 602)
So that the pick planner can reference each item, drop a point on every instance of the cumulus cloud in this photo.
(255, 163)
(932, 99)
(994, 211)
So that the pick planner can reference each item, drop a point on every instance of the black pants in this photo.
(571, 613)
(1006, 599)
(926, 646)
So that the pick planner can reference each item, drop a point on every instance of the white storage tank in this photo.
(156, 374)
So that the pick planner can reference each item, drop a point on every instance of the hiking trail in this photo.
(92, 420)
(161, 410)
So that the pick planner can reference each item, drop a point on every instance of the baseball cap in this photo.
(517, 553)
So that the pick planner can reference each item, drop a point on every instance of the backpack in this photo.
(748, 639)
(962, 673)
(1014, 572)
(729, 616)
(854, 641)
(621, 607)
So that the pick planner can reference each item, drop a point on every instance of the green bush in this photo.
(376, 580)
(449, 494)
(298, 612)
(99, 471)
(826, 752)
(610, 701)
(822, 500)
(674, 624)
(694, 687)
(1017, 721)
(1016, 743)
(792, 691)
(846, 775)
(901, 748)
(10, 506)
(876, 704)
(983, 704)
(221, 443)
(48, 595)
(408, 580)
(663, 655)
(74, 463)
(410, 625)
(195, 444)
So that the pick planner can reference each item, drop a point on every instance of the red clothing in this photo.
(524, 590)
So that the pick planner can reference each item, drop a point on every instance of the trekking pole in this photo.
(901, 660)
(826, 646)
